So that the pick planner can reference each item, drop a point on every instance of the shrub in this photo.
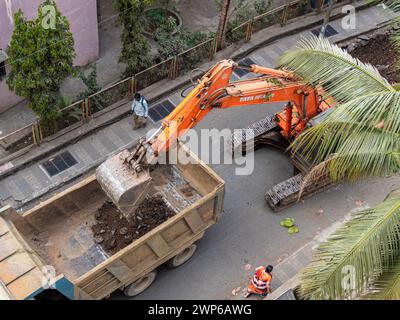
(135, 48)
(41, 58)
(262, 6)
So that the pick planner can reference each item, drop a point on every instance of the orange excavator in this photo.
(126, 177)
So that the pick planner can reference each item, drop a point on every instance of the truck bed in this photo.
(62, 234)
(64, 239)
(57, 232)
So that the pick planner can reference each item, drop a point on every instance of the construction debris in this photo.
(114, 232)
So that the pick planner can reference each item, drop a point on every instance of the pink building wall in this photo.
(82, 16)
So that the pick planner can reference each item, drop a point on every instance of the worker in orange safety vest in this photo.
(261, 282)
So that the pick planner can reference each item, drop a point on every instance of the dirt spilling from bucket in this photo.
(114, 232)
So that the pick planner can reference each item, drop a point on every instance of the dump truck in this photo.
(49, 251)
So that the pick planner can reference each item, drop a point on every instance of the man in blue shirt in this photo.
(140, 110)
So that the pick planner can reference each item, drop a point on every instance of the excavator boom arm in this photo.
(125, 177)
(214, 90)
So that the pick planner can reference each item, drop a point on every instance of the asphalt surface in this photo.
(249, 232)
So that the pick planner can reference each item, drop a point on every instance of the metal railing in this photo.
(68, 116)
(191, 58)
(268, 19)
(162, 70)
(281, 15)
(21, 138)
(107, 97)
(84, 110)
(296, 9)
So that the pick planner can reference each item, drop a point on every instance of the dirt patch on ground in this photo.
(380, 52)
(114, 232)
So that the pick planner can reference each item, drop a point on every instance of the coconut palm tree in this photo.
(359, 138)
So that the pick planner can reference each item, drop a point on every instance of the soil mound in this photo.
(114, 232)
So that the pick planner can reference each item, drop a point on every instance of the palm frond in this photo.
(395, 38)
(387, 286)
(394, 5)
(316, 174)
(364, 135)
(343, 77)
(368, 244)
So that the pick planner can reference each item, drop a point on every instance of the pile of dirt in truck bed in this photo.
(380, 52)
(114, 232)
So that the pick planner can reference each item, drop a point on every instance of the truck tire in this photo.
(182, 257)
(140, 285)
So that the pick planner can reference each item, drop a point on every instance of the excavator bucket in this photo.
(122, 184)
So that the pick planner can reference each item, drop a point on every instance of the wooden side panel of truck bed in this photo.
(164, 242)
(152, 250)
(62, 217)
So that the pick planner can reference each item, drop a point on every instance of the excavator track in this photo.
(260, 129)
(286, 193)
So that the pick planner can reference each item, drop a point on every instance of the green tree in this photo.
(359, 138)
(135, 48)
(41, 55)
